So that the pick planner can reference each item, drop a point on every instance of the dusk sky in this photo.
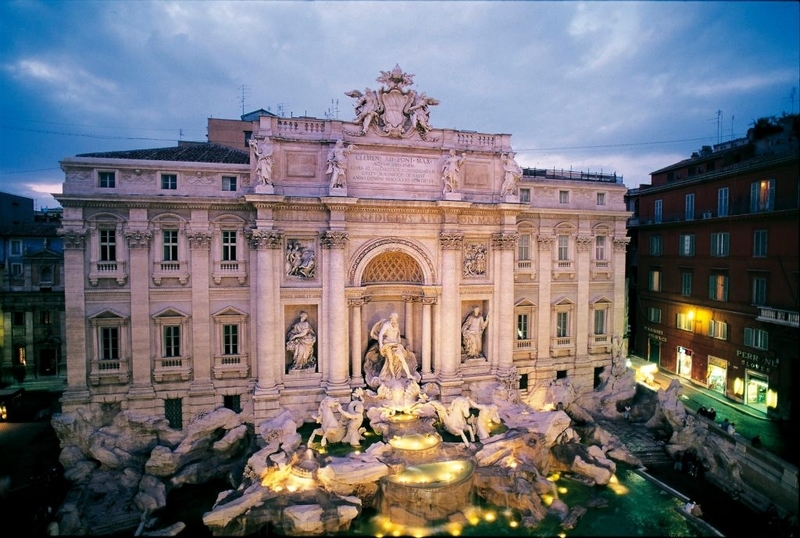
(625, 87)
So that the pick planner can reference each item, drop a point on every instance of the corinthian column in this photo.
(138, 247)
(356, 378)
(545, 272)
(334, 348)
(449, 332)
(503, 316)
(266, 243)
(74, 242)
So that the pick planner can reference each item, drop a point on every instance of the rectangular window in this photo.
(718, 329)
(718, 287)
(109, 343)
(562, 324)
(525, 196)
(172, 341)
(106, 180)
(170, 246)
(229, 183)
(720, 244)
(656, 245)
(689, 207)
(16, 247)
(759, 243)
(685, 322)
(18, 319)
(228, 245)
(600, 247)
(173, 411)
(230, 339)
(46, 317)
(524, 247)
(722, 202)
(756, 338)
(522, 327)
(232, 402)
(108, 245)
(16, 270)
(563, 247)
(759, 290)
(169, 181)
(654, 314)
(658, 211)
(563, 197)
(686, 245)
(762, 195)
(686, 284)
(601, 198)
(654, 282)
(600, 321)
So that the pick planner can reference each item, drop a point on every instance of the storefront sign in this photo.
(756, 362)
(655, 334)
(719, 363)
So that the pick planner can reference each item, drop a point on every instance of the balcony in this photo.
(562, 346)
(526, 267)
(168, 269)
(778, 316)
(230, 269)
(172, 369)
(563, 269)
(524, 345)
(599, 343)
(601, 267)
(231, 366)
(109, 371)
(108, 269)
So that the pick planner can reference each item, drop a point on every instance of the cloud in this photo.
(734, 83)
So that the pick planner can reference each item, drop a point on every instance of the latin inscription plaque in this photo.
(402, 169)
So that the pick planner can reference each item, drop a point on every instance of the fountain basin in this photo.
(428, 492)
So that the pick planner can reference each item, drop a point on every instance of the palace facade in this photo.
(190, 270)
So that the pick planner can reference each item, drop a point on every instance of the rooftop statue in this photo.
(393, 110)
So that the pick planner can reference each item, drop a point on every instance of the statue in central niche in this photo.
(388, 358)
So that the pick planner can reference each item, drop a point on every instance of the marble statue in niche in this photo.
(472, 334)
(300, 342)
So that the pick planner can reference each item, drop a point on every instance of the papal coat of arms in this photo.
(393, 110)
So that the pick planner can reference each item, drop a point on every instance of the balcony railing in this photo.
(172, 369)
(601, 267)
(778, 316)
(563, 268)
(599, 343)
(230, 269)
(524, 345)
(231, 366)
(109, 371)
(108, 269)
(168, 269)
(561, 346)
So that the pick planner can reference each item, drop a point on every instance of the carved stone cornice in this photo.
(198, 239)
(621, 243)
(356, 301)
(545, 241)
(264, 239)
(138, 238)
(583, 242)
(333, 240)
(504, 241)
(451, 241)
(73, 239)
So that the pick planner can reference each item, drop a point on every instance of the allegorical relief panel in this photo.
(301, 259)
(475, 260)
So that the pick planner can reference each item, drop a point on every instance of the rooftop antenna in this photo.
(732, 116)
(719, 126)
(242, 100)
(280, 110)
(333, 110)
(180, 134)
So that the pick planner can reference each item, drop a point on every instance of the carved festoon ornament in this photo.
(138, 238)
(393, 110)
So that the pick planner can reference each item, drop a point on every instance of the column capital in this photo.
(505, 241)
(73, 239)
(198, 239)
(545, 241)
(583, 242)
(264, 239)
(333, 239)
(138, 238)
(451, 241)
(621, 243)
(356, 301)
